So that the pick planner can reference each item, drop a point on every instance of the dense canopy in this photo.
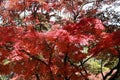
(36, 42)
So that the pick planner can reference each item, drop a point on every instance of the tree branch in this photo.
(37, 76)
(102, 69)
(33, 57)
(87, 59)
(65, 63)
(109, 73)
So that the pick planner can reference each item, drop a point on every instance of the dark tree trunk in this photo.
(116, 76)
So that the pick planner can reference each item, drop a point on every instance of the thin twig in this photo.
(102, 69)
(84, 68)
(37, 76)
(109, 73)
(87, 59)
(33, 57)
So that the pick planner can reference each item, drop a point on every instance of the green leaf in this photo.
(41, 57)
(6, 61)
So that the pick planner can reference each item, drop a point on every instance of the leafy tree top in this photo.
(33, 47)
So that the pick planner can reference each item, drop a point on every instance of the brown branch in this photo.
(84, 68)
(116, 67)
(109, 73)
(47, 64)
(51, 73)
(37, 76)
(87, 59)
(50, 48)
(77, 67)
(117, 73)
(65, 63)
(34, 57)
(102, 69)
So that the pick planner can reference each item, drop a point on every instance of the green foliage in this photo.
(94, 66)
(109, 60)
(4, 77)
(6, 61)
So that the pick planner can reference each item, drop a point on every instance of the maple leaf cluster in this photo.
(58, 53)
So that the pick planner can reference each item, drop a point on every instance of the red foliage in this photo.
(51, 55)
(33, 52)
